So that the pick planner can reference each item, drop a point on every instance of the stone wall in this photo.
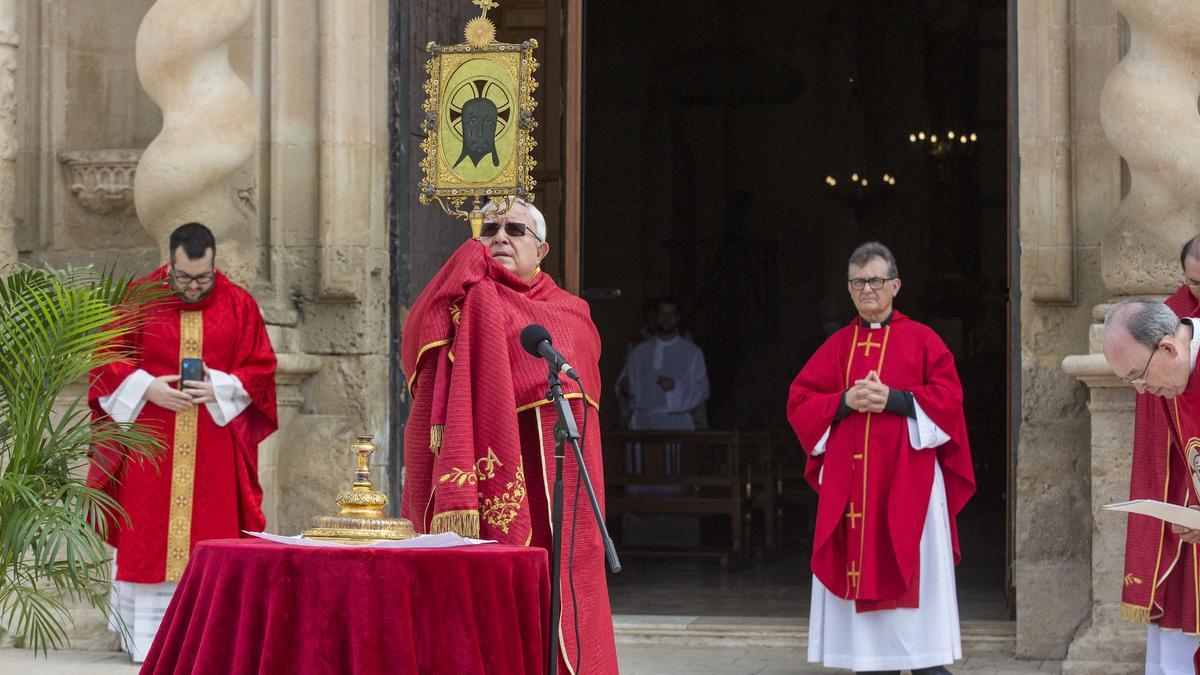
(1070, 184)
(311, 200)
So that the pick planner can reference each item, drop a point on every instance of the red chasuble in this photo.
(1160, 573)
(479, 442)
(206, 485)
(873, 486)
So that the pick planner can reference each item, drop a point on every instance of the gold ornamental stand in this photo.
(360, 519)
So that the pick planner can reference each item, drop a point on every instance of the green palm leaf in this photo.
(55, 327)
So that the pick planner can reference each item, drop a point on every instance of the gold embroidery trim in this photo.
(541, 402)
(183, 460)
(464, 522)
(484, 469)
(1135, 614)
(417, 362)
(500, 511)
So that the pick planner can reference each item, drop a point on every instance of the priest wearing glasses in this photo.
(878, 409)
(479, 441)
(211, 422)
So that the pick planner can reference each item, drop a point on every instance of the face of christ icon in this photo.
(479, 117)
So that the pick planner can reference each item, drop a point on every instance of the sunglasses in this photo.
(511, 228)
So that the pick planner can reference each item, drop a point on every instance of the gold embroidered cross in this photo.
(853, 516)
(868, 344)
(852, 575)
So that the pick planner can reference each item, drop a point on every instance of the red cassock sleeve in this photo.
(813, 401)
(255, 368)
(941, 398)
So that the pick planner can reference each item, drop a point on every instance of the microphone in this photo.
(536, 340)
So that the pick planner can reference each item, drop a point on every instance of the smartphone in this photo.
(191, 369)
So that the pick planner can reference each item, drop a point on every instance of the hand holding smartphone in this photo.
(190, 369)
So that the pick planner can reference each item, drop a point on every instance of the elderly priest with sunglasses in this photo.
(479, 442)
(203, 380)
(878, 409)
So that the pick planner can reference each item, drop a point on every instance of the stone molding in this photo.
(291, 372)
(352, 128)
(1092, 370)
(102, 180)
(1047, 183)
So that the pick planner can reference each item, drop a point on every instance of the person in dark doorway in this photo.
(664, 380)
(878, 408)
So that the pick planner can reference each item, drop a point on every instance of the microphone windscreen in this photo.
(532, 336)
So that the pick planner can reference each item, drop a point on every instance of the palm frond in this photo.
(55, 327)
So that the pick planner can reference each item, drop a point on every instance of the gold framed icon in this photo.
(478, 121)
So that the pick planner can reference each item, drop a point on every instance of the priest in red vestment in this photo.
(878, 409)
(479, 442)
(1147, 344)
(206, 484)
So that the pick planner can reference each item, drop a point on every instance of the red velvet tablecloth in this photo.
(253, 606)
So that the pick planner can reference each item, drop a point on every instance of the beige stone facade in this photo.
(266, 120)
(287, 156)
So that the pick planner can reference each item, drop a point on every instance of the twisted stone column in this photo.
(1148, 109)
(209, 125)
(8, 131)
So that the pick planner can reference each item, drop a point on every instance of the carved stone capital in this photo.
(1092, 370)
(291, 371)
(102, 180)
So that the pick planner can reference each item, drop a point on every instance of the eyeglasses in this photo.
(185, 280)
(511, 228)
(1141, 379)
(875, 282)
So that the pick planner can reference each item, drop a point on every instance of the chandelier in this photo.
(858, 187)
(950, 144)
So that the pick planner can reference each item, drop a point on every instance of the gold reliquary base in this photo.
(360, 519)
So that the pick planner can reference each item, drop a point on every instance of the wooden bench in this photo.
(705, 475)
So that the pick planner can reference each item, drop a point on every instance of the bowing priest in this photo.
(479, 442)
(878, 409)
(1149, 346)
(206, 486)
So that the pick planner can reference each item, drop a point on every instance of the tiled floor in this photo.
(779, 588)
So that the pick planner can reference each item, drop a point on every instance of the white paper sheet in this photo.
(1172, 513)
(444, 540)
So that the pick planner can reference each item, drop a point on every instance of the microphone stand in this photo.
(565, 430)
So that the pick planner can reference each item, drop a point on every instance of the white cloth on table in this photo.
(895, 639)
(126, 403)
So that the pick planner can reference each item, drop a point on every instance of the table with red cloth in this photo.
(254, 606)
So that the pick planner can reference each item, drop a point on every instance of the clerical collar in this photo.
(867, 324)
(1195, 344)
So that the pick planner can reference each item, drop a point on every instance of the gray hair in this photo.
(1147, 321)
(539, 221)
(868, 252)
